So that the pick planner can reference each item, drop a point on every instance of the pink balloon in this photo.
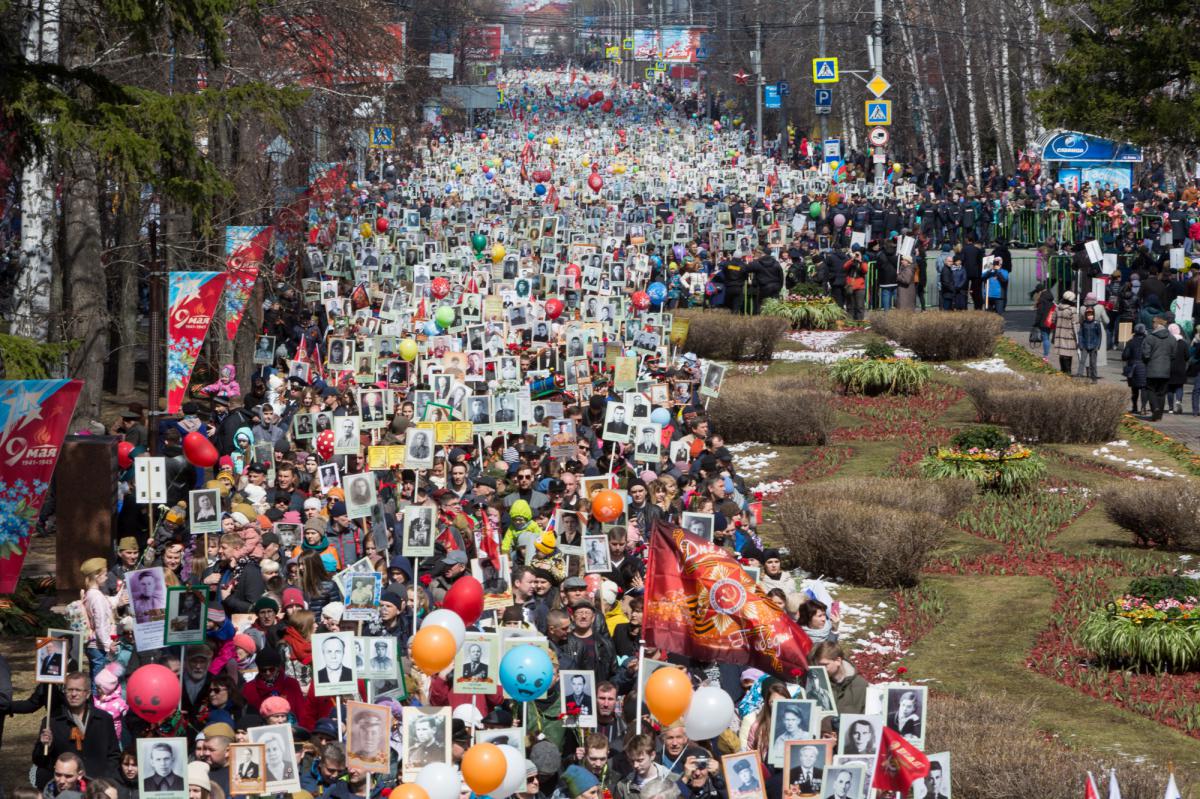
(153, 693)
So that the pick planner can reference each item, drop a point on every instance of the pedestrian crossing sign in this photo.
(825, 70)
(382, 137)
(879, 112)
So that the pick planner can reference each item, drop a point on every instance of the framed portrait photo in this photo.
(710, 382)
(698, 524)
(380, 659)
(818, 689)
(418, 453)
(647, 443)
(804, 765)
(360, 494)
(51, 660)
(247, 769)
(905, 711)
(477, 664)
(303, 425)
(744, 776)
(791, 720)
(617, 425)
(279, 757)
(346, 435)
(418, 532)
(860, 735)
(936, 784)
(187, 615)
(361, 597)
(595, 554)
(162, 763)
(333, 663)
(264, 350)
(846, 781)
(505, 736)
(204, 511)
(74, 639)
(579, 698)
(368, 736)
(426, 737)
(570, 531)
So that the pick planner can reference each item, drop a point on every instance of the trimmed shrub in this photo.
(865, 544)
(1050, 410)
(944, 498)
(1160, 512)
(789, 411)
(941, 335)
(987, 457)
(723, 336)
(997, 753)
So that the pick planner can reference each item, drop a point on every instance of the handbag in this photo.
(1035, 336)
(1049, 322)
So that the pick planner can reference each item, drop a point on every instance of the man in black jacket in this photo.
(77, 727)
(768, 278)
(972, 262)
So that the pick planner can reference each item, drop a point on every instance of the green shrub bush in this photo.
(1164, 513)
(789, 411)
(875, 376)
(1049, 409)
(1120, 641)
(941, 335)
(1173, 586)
(723, 336)
(806, 312)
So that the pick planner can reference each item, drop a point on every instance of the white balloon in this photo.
(514, 774)
(440, 780)
(709, 713)
(451, 621)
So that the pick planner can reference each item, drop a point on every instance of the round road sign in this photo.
(878, 136)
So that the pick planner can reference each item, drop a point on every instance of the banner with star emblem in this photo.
(700, 602)
(245, 248)
(191, 299)
(34, 415)
(900, 763)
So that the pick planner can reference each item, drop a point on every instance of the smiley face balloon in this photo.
(526, 673)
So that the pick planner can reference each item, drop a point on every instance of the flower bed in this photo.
(874, 376)
(986, 457)
(806, 312)
(1029, 519)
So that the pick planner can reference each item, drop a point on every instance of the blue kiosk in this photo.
(1079, 158)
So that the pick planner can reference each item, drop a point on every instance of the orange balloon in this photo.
(433, 649)
(483, 768)
(607, 506)
(668, 694)
(409, 790)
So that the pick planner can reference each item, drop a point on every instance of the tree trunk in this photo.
(928, 140)
(127, 252)
(1006, 103)
(85, 286)
(955, 146)
(972, 99)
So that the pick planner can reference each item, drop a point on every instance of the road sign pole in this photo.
(758, 87)
(821, 52)
(877, 30)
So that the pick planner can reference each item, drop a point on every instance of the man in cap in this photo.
(455, 566)
(128, 552)
(216, 740)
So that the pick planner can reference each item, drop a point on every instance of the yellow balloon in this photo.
(365, 229)
(498, 253)
(619, 169)
(458, 169)
(897, 166)
(408, 349)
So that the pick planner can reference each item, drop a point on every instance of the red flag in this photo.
(1090, 791)
(491, 540)
(700, 602)
(900, 764)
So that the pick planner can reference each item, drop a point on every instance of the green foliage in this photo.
(1172, 586)
(23, 612)
(1026, 520)
(1003, 476)
(808, 313)
(878, 348)
(22, 359)
(1129, 71)
(1121, 641)
(984, 437)
(879, 375)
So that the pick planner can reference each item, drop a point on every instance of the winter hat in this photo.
(197, 773)
(267, 657)
(333, 611)
(318, 524)
(265, 603)
(392, 597)
(109, 678)
(578, 781)
(312, 503)
(337, 509)
(546, 757)
(1068, 296)
(254, 494)
(274, 704)
(245, 643)
(520, 510)
(546, 544)
(292, 516)
(293, 596)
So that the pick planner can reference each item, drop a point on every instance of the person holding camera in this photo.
(856, 282)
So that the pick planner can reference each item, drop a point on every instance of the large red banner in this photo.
(191, 299)
(34, 415)
(245, 248)
(700, 602)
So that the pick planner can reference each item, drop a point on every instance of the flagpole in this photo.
(641, 684)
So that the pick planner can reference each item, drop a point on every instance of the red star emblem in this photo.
(741, 76)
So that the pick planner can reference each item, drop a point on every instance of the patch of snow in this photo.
(994, 366)
(1140, 464)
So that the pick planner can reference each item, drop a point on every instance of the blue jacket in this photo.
(1090, 335)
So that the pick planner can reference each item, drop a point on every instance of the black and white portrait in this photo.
(595, 554)
(161, 766)
(714, 374)
(279, 756)
(372, 408)
(791, 720)
(476, 664)
(204, 511)
(804, 764)
(905, 712)
(346, 435)
(426, 737)
(570, 531)
(647, 443)
(698, 524)
(187, 615)
(936, 784)
(845, 782)
(247, 769)
(616, 423)
(360, 494)
(418, 532)
(859, 734)
(479, 410)
(264, 350)
(743, 776)
(302, 425)
(368, 737)
(418, 452)
(147, 594)
(341, 354)
(578, 698)
(379, 658)
(333, 663)
(818, 689)
(329, 476)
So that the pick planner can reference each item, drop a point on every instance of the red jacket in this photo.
(855, 282)
(288, 687)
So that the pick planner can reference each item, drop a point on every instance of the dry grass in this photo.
(941, 335)
(721, 335)
(995, 755)
(1160, 512)
(944, 498)
(783, 410)
(1050, 409)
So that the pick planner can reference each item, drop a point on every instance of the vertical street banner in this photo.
(245, 248)
(700, 602)
(34, 415)
(191, 299)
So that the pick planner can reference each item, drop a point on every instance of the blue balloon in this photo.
(490, 175)
(539, 190)
(526, 673)
(661, 416)
(657, 292)
(529, 135)
(431, 328)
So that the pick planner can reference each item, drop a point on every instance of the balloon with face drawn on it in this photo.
(526, 673)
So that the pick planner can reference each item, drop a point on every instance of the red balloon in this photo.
(641, 300)
(199, 450)
(325, 444)
(607, 107)
(595, 182)
(541, 176)
(597, 96)
(572, 270)
(153, 693)
(465, 598)
(125, 454)
(440, 287)
(554, 308)
(381, 224)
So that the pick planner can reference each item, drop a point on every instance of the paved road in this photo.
(1184, 427)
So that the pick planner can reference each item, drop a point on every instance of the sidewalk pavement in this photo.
(1184, 427)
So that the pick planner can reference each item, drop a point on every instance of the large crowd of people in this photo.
(484, 339)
